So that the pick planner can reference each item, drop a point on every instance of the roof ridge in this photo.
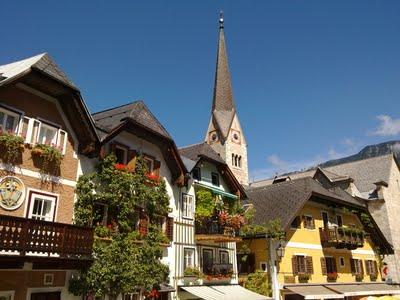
(360, 160)
(115, 107)
(280, 183)
(192, 145)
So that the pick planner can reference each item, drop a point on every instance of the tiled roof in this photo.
(41, 62)
(138, 111)
(367, 171)
(283, 200)
(194, 152)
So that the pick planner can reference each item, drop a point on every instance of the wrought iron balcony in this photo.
(341, 238)
(218, 269)
(27, 237)
(212, 230)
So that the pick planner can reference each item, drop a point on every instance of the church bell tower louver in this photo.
(224, 132)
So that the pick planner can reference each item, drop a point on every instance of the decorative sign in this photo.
(12, 192)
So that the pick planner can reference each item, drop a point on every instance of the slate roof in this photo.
(367, 171)
(296, 175)
(223, 107)
(283, 200)
(109, 119)
(42, 62)
(196, 151)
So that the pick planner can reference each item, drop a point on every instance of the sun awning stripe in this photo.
(315, 292)
(365, 289)
(223, 292)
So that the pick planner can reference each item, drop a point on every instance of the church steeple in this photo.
(224, 131)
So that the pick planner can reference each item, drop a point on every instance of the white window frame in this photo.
(7, 294)
(312, 221)
(121, 147)
(187, 257)
(45, 196)
(221, 253)
(46, 126)
(151, 160)
(322, 217)
(8, 112)
(187, 206)
(342, 262)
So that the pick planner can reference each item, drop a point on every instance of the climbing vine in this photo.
(124, 259)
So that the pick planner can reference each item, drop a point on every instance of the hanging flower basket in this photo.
(11, 146)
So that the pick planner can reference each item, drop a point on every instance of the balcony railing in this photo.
(341, 238)
(21, 236)
(218, 269)
(213, 230)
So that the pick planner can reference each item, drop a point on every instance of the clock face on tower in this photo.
(213, 137)
(235, 136)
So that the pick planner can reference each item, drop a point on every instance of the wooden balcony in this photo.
(212, 230)
(29, 239)
(340, 238)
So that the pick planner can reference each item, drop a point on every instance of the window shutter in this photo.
(313, 223)
(132, 155)
(309, 265)
(375, 267)
(143, 224)
(334, 265)
(367, 267)
(156, 170)
(295, 267)
(323, 266)
(62, 140)
(170, 228)
(353, 266)
(361, 267)
(304, 221)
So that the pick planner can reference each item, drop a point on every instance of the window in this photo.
(187, 206)
(42, 206)
(208, 261)
(48, 279)
(371, 267)
(121, 153)
(215, 179)
(325, 219)
(309, 222)
(196, 173)
(8, 120)
(341, 262)
(330, 265)
(239, 162)
(47, 135)
(100, 211)
(7, 295)
(356, 266)
(263, 266)
(302, 264)
(339, 221)
(223, 257)
(295, 223)
(131, 296)
(188, 254)
(149, 163)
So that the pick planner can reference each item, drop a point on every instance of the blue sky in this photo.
(312, 80)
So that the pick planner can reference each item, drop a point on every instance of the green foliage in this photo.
(205, 204)
(193, 272)
(366, 220)
(258, 283)
(272, 229)
(51, 158)
(122, 264)
(252, 230)
(249, 214)
(11, 147)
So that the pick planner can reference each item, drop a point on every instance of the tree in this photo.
(127, 260)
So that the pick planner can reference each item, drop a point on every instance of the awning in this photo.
(365, 289)
(217, 190)
(223, 292)
(315, 292)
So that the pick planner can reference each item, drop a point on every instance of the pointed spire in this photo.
(223, 108)
(223, 97)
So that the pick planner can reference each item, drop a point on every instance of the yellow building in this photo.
(332, 246)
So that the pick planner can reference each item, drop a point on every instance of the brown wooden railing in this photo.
(21, 236)
(338, 237)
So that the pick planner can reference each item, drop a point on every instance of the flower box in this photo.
(332, 276)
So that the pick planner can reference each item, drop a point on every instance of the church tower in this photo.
(224, 132)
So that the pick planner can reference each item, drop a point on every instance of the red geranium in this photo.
(120, 167)
(153, 177)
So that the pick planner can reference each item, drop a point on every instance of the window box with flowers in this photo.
(304, 277)
(11, 146)
(332, 276)
(47, 158)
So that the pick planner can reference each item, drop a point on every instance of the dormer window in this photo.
(215, 179)
(196, 173)
(149, 163)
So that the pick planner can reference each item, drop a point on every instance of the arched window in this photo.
(233, 159)
(236, 160)
(240, 162)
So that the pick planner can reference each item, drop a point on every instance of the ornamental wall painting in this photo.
(12, 192)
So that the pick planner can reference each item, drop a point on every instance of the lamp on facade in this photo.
(280, 250)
